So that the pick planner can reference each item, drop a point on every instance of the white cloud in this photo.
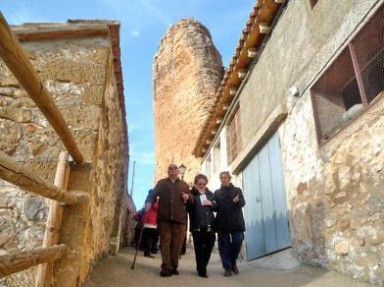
(19, 16)
(143, 158)
(132, 127)
(155, 11)
(134, 33)
(141, 152)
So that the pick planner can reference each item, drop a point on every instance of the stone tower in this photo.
(187, 70)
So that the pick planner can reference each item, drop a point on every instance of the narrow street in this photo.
(116, 272)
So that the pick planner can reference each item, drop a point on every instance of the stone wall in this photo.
(186, 73)
(335, 190)
(336, 194)
(79, 75)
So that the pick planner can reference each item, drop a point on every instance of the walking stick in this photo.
(139, 241)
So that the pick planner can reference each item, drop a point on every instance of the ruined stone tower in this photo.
(187, 70)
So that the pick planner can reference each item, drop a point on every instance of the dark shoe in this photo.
(203, 275)
(227, 273)
(148, 254)
(165, 273)
(175, 272)
(235, 270)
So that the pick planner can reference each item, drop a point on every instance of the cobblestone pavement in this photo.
(115, 271)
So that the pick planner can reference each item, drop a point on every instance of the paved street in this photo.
(116, 272)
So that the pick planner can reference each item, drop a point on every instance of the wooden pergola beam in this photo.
(16, 60)
(61, 34)
(16, 174)
(20, 260)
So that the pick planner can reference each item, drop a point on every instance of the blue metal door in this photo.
(266, 215)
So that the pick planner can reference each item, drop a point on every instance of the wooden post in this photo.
(53, 226)
(15, 173)
(16, 60)
(17, 261)
(72, 268)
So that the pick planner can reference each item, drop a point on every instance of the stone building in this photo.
(187, 70)
(79, 64)
(299, 121)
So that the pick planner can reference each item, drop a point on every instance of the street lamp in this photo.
(182, 169)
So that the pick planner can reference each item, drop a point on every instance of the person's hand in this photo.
(207, 202)
(185, 197)
(236, 199)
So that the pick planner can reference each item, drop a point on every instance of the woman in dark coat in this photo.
(201, 220)
(228, 202)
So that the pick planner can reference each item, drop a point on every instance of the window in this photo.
(217, 158)
(234, 136)
(353, 80)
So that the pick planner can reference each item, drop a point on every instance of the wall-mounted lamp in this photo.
(294, 92)
(182, 169)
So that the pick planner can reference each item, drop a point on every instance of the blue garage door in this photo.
(266, 214)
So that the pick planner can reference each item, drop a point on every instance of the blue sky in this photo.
(143, 24)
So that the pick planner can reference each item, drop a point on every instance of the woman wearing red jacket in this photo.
(150, 233)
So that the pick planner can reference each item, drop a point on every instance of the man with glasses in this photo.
(173, 195)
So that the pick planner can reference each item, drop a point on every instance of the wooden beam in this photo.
(17, 174)
(70, 269)
(61, 34)
(17, 261)
(16, 60)
(252, 52)
(55, 216)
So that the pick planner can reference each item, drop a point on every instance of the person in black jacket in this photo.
(228, 202)
(201, 219)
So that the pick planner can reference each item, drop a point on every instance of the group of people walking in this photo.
(173, 199)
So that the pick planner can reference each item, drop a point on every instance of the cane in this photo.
(139, 241)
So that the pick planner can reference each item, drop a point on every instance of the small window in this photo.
(313, 3)
(353, 80)
(234, 136)
(217, 158)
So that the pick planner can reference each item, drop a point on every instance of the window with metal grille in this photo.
(352, 82)
(313, 2)
(234, 136)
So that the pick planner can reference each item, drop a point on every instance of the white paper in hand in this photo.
(202, 198)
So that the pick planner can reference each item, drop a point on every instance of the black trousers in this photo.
(203, 242)
(149, 238)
